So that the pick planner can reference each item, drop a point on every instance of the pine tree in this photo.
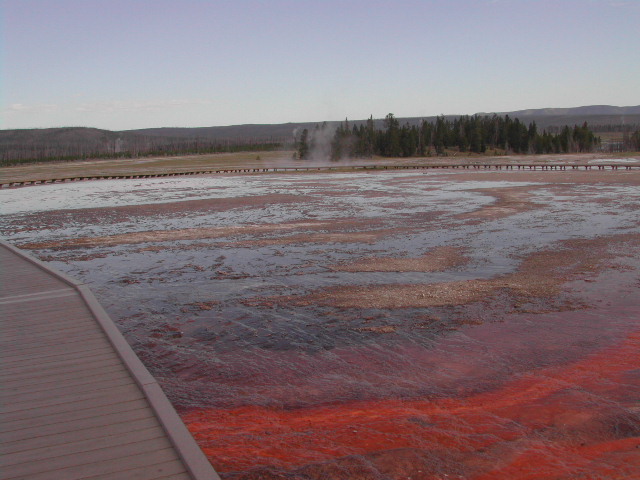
(303, 145)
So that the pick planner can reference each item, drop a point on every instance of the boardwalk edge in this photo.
(184, 443)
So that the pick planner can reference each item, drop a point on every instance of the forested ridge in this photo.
(609, 129)
(77, 143)
(474, 134)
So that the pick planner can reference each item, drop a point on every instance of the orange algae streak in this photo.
(548, 422)
(615, 459)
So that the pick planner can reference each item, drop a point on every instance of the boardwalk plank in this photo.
(44, 344)
(8, 362)
(162, 471)
(20, 369)
(63, 300)
(14, 326)
(90, 422)
(87, 378)
(74, 448)
(180, 476)
(45, 317)
(62, 438)
(64, 370)
(77, 461)
(40, 421)
(26, 279)
(40, 351)
(43, 328)
(115, 394)
(98, 402)
(99, 384)
(35, 382)
(47, 334)
(115, 467)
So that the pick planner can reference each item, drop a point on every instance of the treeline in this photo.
(604, 127)
(47, 145)
(476, 134)
(631, 141)
(49, 154)
(616, 137)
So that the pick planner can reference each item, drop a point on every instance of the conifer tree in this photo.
(303, 145)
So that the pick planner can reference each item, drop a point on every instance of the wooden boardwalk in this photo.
(75, 401)
(341, 168)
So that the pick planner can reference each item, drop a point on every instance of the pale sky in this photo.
(126, 64)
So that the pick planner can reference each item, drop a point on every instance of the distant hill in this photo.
(248, 131)
(576, 111)
(544, 117)
(80, 142)
(594, 115)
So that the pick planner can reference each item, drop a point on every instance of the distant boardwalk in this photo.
(75, 401)
(348, 167)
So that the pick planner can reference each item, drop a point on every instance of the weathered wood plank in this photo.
(98, 403)
(73, 448)
(44, 344)
(41, 420)
(97, 385)
(48, 350)
(26, 306)
(90, 422)
(65, 370)
(115, 394)
(47, 332)
(62, 438)
(162, 471)
(25, 278)
(114, 466)
(22, 331)
(27, 301)
(88, 460)
(41, 317)
(89, 372)
(20, 369)
(52, 384)
(8, 362)
(181, 476)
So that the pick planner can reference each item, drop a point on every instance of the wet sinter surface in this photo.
(372, 325)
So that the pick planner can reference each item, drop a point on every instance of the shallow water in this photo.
(502, 387)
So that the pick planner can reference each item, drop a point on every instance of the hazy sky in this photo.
(124, 64)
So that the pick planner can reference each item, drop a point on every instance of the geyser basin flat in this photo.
(479, 324)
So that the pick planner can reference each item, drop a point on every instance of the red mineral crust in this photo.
(554, 422)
